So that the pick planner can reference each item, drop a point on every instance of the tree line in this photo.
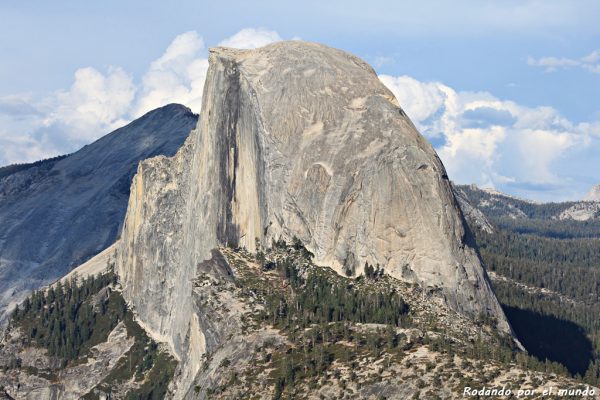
(69, 318)
(320, 296)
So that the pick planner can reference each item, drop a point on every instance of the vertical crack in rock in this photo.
(228, 152)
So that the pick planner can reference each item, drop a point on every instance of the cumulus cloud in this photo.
(175, 77)
(590, 62)
(539, 149)
(251, 38)
(95, 102)
(67, 119)
(421, 100)
(178, 75)
(15, 148)
(482, 117)
(497, 143)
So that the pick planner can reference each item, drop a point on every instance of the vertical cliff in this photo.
(294, 139)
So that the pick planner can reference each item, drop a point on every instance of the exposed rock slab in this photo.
(593, 194)
(31, 381)
(582, 211)
(96, 265)
(475, 217)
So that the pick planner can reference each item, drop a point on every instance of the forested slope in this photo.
(545, 270)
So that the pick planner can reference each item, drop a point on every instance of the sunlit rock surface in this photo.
(294, 139)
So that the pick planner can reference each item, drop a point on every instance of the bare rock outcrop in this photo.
(593, 194)
(299, 140)
(474, 216)
(35, 379)
(581, 211)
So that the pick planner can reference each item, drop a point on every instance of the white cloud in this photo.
(420, 100)
(175, 77)
(22, 148)
(538, 149)
(251, 38)
(590, 62)
(18, 106)
(178, 75)
(94, 103)
(492, 142)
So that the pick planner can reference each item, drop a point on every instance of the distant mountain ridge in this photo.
(593, 194)
(560, 220)
(504, 205)
(57, 213)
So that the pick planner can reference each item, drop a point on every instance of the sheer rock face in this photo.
(295, 139)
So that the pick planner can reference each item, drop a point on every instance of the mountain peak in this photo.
(171, 107)
(593, 194)
(72, 206)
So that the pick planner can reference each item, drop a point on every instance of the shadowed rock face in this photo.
(55, 215)
(295, 139)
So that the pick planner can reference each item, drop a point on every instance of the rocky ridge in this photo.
(472, 214)
(60, 212)
(433, 353)
(499, 205)
(35, 377)
(582, 211)
(593, 194)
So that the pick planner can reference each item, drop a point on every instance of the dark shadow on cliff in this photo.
(551, 338)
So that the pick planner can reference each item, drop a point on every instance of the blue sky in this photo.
(507, 91)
